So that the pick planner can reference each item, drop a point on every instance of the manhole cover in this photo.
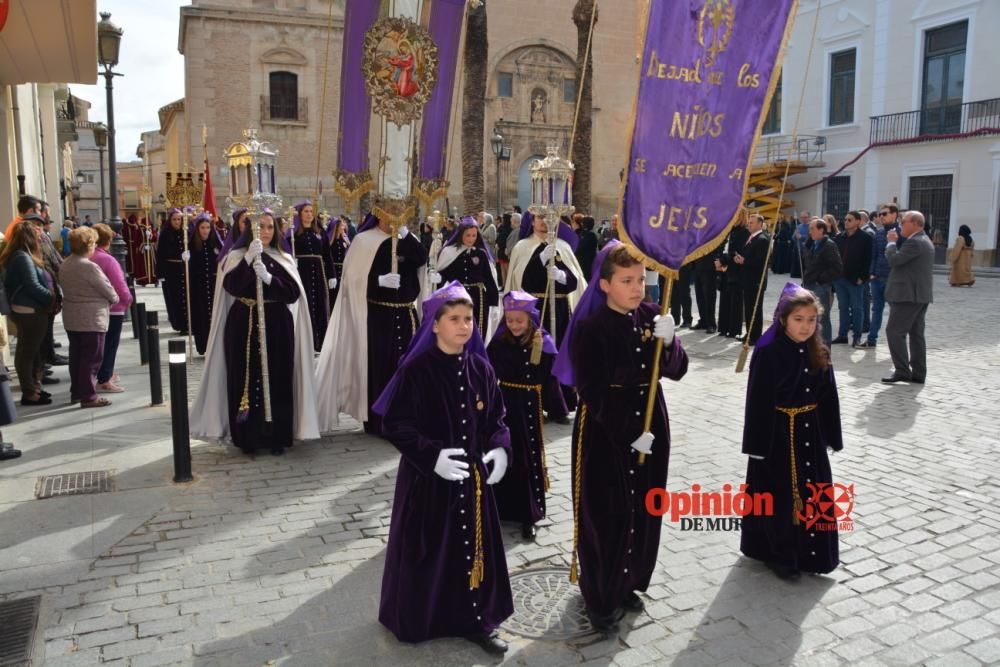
(18, 619)
(75, 483)
(547, 605)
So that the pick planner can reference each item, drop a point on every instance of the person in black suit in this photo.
(752, 259)
(705, 280)
(731, 300)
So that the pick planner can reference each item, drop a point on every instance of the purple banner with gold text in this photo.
(708, 72)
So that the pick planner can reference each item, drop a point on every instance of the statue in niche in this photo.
(538, 107)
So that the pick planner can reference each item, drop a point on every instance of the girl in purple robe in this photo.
(203, 266)
(339, 243)
(466, 259)
(170, 268)
(445, 568)
(312, 253)
(792, 419)
(522, 354)
(239, 226)
(607, 355)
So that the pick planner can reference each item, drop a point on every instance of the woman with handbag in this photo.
(31, 294)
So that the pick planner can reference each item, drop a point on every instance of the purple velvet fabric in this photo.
(524, 302)
(86, 352)
(170, 269)
(338, 252)
(203, 268)
(612, 354)
(312, 253)
(443, 401)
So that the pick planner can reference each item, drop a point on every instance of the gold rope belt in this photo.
(797, 505)
(481, 322)
(537, 388)
(309, 256)
(250, 303)
(478, 562)
(577, 483)
(542, 295)
(179, 261)
(642, 385)
(409, 305)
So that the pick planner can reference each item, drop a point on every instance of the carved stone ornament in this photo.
(400, 68)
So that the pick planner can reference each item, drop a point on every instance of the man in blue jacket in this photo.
(879, 271)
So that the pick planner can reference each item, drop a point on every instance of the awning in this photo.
(48, 41)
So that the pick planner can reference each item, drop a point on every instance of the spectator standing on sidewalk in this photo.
(909, 293)
(878, 273)
(855, 249)
(116, 316)
(8, 415)
(960, 258)
(87, 296)
(31, 297)
(821, 266)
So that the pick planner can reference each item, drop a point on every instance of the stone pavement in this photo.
(278, 560)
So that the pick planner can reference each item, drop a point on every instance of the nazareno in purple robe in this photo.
(203, 267)
(520, 495)
(472, 269)
(780, 376)
(170, 268)
(558, 401)
(255, 434)
(315, 270)
(612, 357)
(392, 316)
(338, 251)
(443, 401)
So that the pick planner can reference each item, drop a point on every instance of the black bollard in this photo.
(153, 352)
(130, 281)
(177, 356)
(133, 309)
(140, 316)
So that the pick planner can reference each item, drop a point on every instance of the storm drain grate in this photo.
(74, 484)
(547, 606)
(17, 619)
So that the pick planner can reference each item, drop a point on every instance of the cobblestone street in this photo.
(278, 561)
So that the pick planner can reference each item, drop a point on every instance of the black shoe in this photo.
(783, 571)
(491, 643)
(605, 625)
(58, 360)
(9, 453)
(710, 330)
(867, 345)
(688, 324)
(48, 380)
(856, 342)
(895, 377)
(48, 372)
(839, 340)
(528, 531)
(700, 325)
(633, 603)
(916, 380)
(41, 400)
(44, 394)
(56, 343)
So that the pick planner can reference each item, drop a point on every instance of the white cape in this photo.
(448, 255)
(342, 371)
(210, 411)
(521, 255)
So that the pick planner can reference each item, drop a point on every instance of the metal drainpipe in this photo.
(18, 151)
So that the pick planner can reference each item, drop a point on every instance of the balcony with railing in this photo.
(945, 121)
(805, 150)
(284, 110)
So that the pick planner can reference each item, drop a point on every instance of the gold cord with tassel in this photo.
(536, 347)
(577, 482)
(797, 505)
(478, 566)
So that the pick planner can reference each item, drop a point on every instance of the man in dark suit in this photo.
(752, 259)
(908, 292)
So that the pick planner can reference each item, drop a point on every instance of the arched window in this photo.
(284, 96)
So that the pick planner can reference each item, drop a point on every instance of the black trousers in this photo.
(731, 310)
(749, 297)
(680, 297)
(704, 294)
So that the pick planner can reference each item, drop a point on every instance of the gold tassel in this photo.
(577, 483)
(572, 571)
(742, 361)
(478, 565)
(796, 510)
(536, 347)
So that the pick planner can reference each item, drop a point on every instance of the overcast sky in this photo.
(153, 69)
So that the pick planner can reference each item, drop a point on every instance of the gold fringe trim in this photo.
(577, 483)
(478, 564)
(797, 505)
(351, 185)
(428, 190)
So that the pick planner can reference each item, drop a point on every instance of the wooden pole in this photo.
(654, 381)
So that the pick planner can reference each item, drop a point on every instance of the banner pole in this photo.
(654, 380)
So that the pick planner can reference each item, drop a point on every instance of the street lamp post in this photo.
(101, 141)
(109, 40)
(496, 142)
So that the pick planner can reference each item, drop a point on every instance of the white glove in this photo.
(332, 282)
(147, 248)
(451, 469)
(756, 456)
(557, 275)
(663, 328)
(262, 272)
(644, 443)
(186, 255)
(548, 252)
(499, 458)
(434, 277)
(389, 280)
(254, 250)
(404, 231)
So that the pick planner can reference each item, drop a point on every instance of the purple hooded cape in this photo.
(565, 232)
(233, 234)
(592, 300)
(518, 300)
(465, 223)
(370, 222)
(426, 338)
(193, 228)
(788, 292)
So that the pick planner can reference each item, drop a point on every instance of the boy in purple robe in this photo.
(607, 355)
(445, 569)
(170, 268)
(312, 254)
(203, 266)
(792, 418)
(522, 354)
